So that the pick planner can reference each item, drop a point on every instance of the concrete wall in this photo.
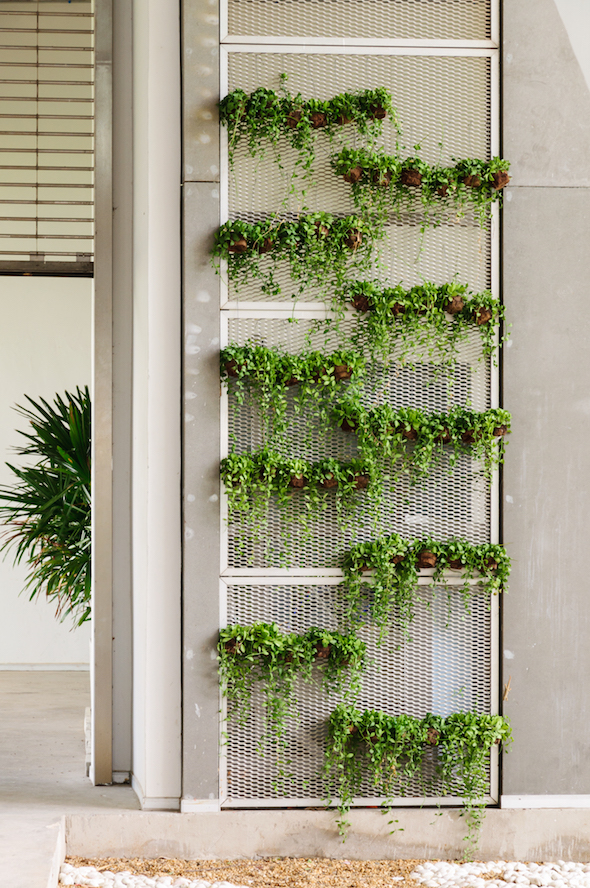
(547, 388)
(45, 341)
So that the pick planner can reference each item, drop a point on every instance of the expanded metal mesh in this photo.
(394, 19)
(445, 668)
(453, 500)
(443, 116)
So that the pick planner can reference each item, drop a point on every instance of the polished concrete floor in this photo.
(42, 771)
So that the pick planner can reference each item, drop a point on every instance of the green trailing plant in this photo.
(251, 480)
(391, 751)
(47, 508)
(427, 317)
(387, 569)
(321, 250)
(416, 440)
(382, 183)
(262, 375)
(266, 116)
(262, 655)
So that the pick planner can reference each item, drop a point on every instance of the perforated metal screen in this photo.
(288, 573)
(378, 19)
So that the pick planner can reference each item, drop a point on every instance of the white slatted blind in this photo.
(46, 137)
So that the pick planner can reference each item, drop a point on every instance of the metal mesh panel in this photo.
(444, 116)
(445, 668)
(452, 501)
(47, 136)
(394, 19)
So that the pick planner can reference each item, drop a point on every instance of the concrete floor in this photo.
(42, 771)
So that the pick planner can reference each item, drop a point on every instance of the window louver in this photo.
(46, 137)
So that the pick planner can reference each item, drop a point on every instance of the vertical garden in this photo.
(362, 433)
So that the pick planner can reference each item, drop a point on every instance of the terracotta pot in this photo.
(444, 437)
(353, 175)
(231, 645)
(352, 729)
(238, 246)
(329, 482)
(396, 559)
(289, 383)
(442, 190)
(432, 736)
(455, 564)
(341, 371)
(361, 302)
(322, 652)
(500, 430)
(297, 481)
(500, 180)
(468, 437)
(365, 568)
(378, 112)
(362, 482)
(343, 120)
(382, 178)
(410, 434)
(472, 181)
(491, 564)
(265, 245)
(231, 368)
(397, 309)
(293, 117)
(318, 119)
(411, 177)
(354, 239)
(348, 426)
(321, 229)
(482, 316)
(455, 305)
(426, 559)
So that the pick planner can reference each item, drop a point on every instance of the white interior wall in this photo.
(45, 340)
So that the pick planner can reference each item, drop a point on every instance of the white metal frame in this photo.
(233, 308)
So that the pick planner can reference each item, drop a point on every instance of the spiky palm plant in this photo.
(48, 506)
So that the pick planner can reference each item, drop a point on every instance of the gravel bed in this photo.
(318, 873)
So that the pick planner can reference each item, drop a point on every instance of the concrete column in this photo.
(547, 388)
(156, 403)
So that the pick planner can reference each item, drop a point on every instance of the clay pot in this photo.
(491, 564)
(444, 437)
(322, 652)
(347, 426)
(352, 729)
(318, 119)
(410, 434)
(442, 190)
(361, 482)
(353, 175)
(411, 177)
(329, 482)
(231, 645)
(378, 112)
(432, 736)
(472, 181)
(455, 563)
(231, 368)
(382, 178)
(499, 431)
(396, 559)
(289, 383)
(343, 120)
(365, 568)
(468, 437)
(455, 305)
(361, 302)
(500, 180)
(297, 481)
(354, 239)
(239, 246)
(265, 245)
(293, 117)
(482, 316)
(426, 559)
(341, 371)
(321, 229)
(397, 309)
